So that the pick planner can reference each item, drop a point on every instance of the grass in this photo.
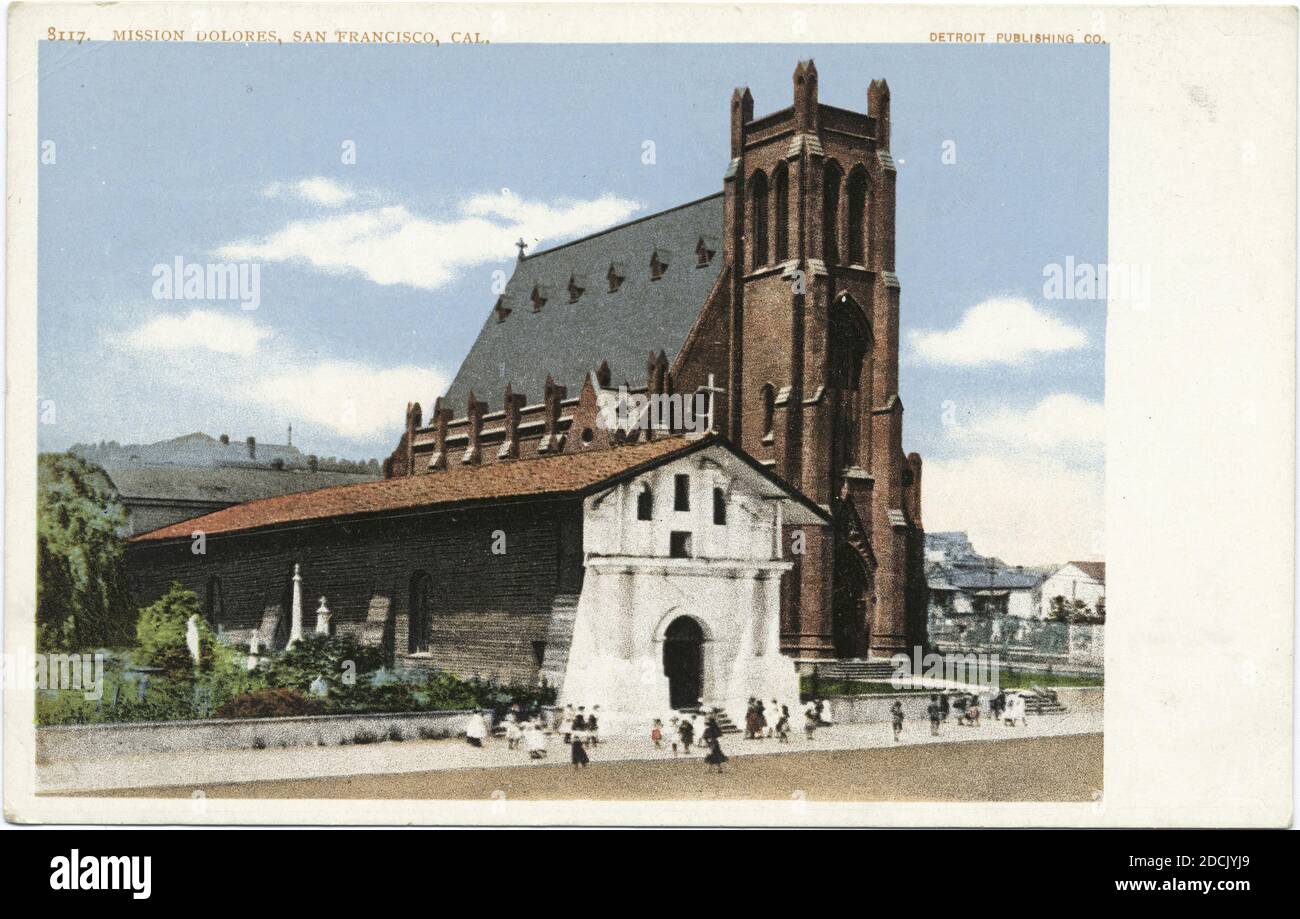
(1008, 678)
(1014, 678)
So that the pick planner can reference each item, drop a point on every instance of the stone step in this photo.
(855, 669)
(559, 636)
(725, 724)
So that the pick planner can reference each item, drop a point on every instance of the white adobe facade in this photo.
(680, 604)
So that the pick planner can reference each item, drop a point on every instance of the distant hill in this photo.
(199, 450)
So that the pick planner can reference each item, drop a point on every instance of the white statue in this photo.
(254, 646)
(192, 636)
(295, 629)
(322, 618)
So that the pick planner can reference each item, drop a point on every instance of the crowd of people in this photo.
(691, 732)
(531, 730)
(1003, 708)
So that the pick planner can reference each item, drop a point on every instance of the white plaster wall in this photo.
(632, 591)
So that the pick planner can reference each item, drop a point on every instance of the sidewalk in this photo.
(201, 768)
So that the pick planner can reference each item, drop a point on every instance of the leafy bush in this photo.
(340, 660)
(161, 629)
(270, 702)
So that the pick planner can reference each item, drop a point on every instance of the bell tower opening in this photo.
(846, 354)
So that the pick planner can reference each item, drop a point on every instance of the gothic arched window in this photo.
(857, 191)
(213, 603)
(781, 211)
(831, 213)
(421, 612)
(758, 213)
(645, 503)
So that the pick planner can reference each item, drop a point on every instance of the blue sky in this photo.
(376, 275)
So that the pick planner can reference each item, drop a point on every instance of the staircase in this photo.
(855, 669)
(559, 635)
(1039, 703)
(725, 724)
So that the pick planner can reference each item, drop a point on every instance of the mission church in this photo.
(634, 559)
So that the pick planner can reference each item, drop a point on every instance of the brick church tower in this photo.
(776, 299)
(812, 361)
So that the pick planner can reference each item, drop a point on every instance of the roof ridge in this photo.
(667, 445)
(620, 226)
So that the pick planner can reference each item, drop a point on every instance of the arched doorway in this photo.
(850, 630)
(684, 662)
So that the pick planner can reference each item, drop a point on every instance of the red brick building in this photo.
(775, 300)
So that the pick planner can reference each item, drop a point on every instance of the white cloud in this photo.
(351, 399)
(1026, 484)
(1063, 423)
(203, 330)
(1000, 330)
(1027, 510)
(390, 245)
(261, 377)
(316, 190)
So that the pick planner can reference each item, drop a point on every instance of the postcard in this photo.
(650, 414)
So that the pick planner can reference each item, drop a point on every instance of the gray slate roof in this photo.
(569, 340)
(226, 484)
(197, 449)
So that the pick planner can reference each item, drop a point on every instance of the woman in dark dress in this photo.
(716, 757)
(578, 751)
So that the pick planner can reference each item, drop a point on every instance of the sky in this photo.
(379, 190)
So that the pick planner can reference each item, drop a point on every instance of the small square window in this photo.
(719, 507)
(679, 544)
(681, 492)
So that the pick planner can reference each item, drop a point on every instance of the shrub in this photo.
(162, 627)
(395, 733)
(274, 702)
(338, 659)
(364, 737)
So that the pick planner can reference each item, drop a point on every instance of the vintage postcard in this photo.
(650, 414)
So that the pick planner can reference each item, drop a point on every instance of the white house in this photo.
(680, 603)
(1075, 581)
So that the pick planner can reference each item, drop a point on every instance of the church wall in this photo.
(488, 608)
(729, 585)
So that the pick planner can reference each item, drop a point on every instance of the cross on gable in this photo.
(521, 245)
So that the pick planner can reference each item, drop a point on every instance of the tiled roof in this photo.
(568, 474)
(569, 340)
(1094, 570)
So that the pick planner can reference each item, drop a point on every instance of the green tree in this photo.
(81, 588)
